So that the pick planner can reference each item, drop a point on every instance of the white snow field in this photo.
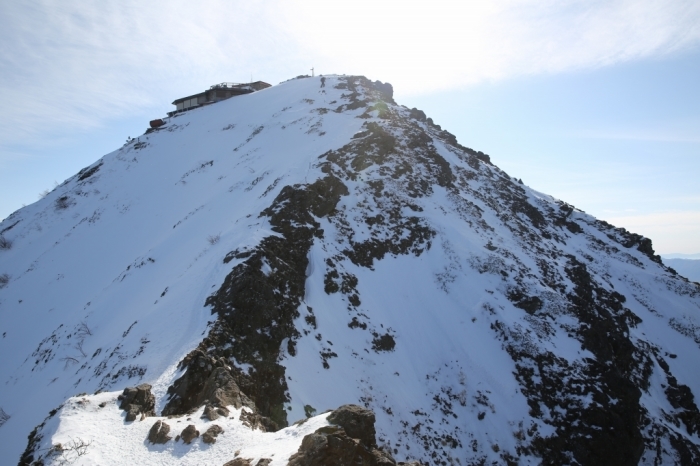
(90, 434)
(107, 277)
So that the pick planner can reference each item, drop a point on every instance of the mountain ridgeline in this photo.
(316, 244)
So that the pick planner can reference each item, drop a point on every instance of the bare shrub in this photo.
(71, 451)
(4, 280)
(43, 194)
(4, 417)
(79, 347)
(5, 243)
(213, 239)
(69, 361)
(83, 330)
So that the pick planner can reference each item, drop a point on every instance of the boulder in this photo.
(138, 400)
(331, 446)
(211, 434)
(189, 433)
(159, 433)
(239, 462)
(357, 422)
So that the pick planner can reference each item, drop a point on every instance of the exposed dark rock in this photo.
(629, 240)
(87, 172)
(159, 433)
(417, 114)
(189, 433)
(256, 311)
(331, 446)
(239, 462)
(351, 441)
(257, 422)
(386, 90)
(31, 456)
(211, 434)
(213, 413)
(383, 343)
(530, 304)
(207, 381)
(263, 462)
(137, 400)
(681, 398)
(357, 422)
(604, 432)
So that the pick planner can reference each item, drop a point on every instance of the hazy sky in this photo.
(594, 102)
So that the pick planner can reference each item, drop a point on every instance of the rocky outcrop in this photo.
(257, 422)
(213, 413)
(138, 401)
(357, 422)
(351, 441)
(256, 311)
(207, 381)
(159, 433)
(330, 446)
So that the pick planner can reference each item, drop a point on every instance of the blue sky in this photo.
(594, 102)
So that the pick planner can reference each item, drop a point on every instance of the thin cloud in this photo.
(452, 44)
(73, 64)
(687, 131)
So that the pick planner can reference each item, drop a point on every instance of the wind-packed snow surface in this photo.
(335, 247)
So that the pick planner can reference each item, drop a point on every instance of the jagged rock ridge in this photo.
(358, 253)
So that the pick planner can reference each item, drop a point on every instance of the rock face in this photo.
(270, 301)
(331, 446)
(351, 441)
(138, 400)
(159, 433)
(213, 413)
(254, 420)
(207, 381)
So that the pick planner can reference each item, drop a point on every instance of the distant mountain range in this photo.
(689, 268)
(681, 256)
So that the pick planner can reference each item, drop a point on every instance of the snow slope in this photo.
(91, 430)
(481, 320)
(131, 256)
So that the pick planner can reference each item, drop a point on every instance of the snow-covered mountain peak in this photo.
(316, 244)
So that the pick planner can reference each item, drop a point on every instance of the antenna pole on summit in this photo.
(312, 72)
